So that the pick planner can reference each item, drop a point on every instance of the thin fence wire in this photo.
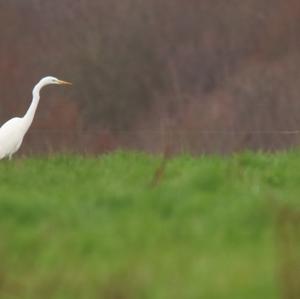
(180, 131)
(192, 140)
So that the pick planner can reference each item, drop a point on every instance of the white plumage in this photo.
(13, 131)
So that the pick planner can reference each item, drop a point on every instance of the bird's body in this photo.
(11, 137)
(13, 131)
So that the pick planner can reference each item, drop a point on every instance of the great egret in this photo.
(13, 131)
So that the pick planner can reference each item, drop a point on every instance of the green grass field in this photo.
(77, 227)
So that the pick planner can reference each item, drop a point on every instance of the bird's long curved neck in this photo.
(28, 117)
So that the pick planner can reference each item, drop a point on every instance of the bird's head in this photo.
(52, 80)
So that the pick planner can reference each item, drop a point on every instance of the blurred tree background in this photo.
(198, 76)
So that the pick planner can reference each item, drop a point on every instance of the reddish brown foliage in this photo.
(199, 75)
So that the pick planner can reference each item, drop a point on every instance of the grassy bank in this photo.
(79, 227)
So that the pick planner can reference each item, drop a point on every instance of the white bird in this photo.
(13, 131)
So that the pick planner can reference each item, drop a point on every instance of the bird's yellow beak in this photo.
(64, 82)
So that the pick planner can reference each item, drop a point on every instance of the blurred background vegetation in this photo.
(159, 76)
(147, 73)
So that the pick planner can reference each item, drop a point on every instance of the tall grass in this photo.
(80, 227)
